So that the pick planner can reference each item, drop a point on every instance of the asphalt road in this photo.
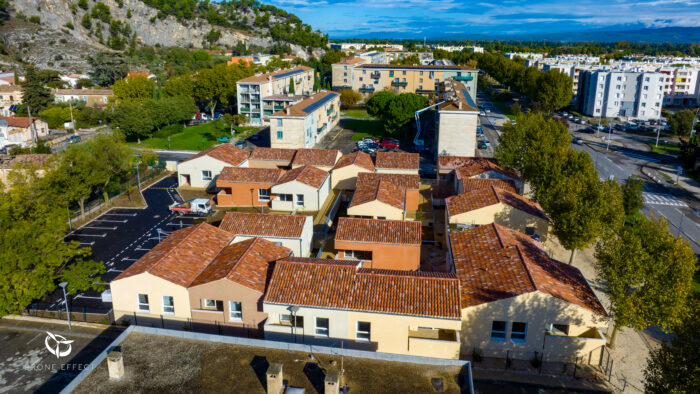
(121, 236)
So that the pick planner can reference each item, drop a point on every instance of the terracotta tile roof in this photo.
(263, 225)
(404, 181)
(478, 166)
(266, 76)
(452, 162)
(493, 262)
(316, 157)
(351, 60)
(360, 159)
(308, 175)
(249, 175)
(37, 159)
(245, 263)
(382, 191)
(471, 184)
(340, 285)
(18, 121)
(407, 161)
(298, 109)
(182, 256)
(480, 198)
(83, 92)
(228, 153)
(11, 89)
(276, 154)
(395, 232)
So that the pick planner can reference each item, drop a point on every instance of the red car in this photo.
(390, 143)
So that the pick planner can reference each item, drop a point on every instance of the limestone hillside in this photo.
(62, 34)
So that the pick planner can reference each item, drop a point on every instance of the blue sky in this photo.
(441, 18)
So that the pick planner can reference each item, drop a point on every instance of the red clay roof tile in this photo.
(382, 191)
(395, 232)
(307, 175)
(405, 181)
(360, 159)
(228, 153)
(316, 157)
(276, 154)
(263, 225)
(470, 184)
(480, 198)
(397, 160)
(249, 175)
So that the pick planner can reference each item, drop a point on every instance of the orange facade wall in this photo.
(225, 291)
(391, 257)
(412, 200)
(241, 194)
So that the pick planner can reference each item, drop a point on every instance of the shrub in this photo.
(83, 4)
(169, 130)
(21, 16)
(70, 26)
(35, 19)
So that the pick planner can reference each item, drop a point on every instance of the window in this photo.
(279, 122)
(235, 311)
(168, 305)
(206, 175)
(404, 73)
(285, 197)
(421, 73)
(321, 326)
(300, 200)
(362, 333)
(280, 135)
(498, 331)
(646, 88)
(143, 303)
(263, 194)
(518, 331)
(597, 110)
(286, 319)
(209, 303)
(358, 254)
(559, 329)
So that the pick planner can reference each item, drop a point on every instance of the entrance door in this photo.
(185, 179)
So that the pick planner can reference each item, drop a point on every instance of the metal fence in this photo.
(79, 314)
(213, 327)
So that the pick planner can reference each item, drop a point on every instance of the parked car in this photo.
(368, 138)
(482, 113)
(240, 144)
(578, 140)
(390, 143)
(486, 142)
(482, 145)
(598, 127)
(74, 139)
(582, 121)
(254, 137)
(223, 139)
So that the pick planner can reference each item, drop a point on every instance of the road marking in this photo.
(128, 259)
(111, 221)
(120, 214)
(113, 270)
(90, 235)
(663, 199)
(100, 228)
(87, 243)
(142, 249)
(90, 297)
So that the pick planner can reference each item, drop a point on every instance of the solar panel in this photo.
(318, 103)
(468, 98)
(288, 73)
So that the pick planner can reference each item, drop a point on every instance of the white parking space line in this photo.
(90, 235)
(88, 243)
(663, 199)
(128, 259)
(100, 228)
(90, 297)
(142, 249)
(120, 214)
(113, 270)
(110, 221)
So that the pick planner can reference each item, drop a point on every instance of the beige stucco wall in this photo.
(225, 290)
(301, 247)
(504, 215)
(388, 332)
(344, 178)
(125, 297)
(538, 310)
(376, 209)
(293, 132)
(313, 198)
(194, 169)
(395, 171)
(457, 133)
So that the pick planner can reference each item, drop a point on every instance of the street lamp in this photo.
(692, 128)
(65, 299)
(294, 309)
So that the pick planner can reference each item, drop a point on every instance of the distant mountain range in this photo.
(675, 35)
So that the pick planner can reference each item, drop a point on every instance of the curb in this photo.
(58, 321)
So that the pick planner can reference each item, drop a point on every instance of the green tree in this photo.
(74, 176)
(554, 89)
(83, 4)
(133, 90)
(133, 120)
(648, 273)
(291, 89)
(349, 97)
(35, 95)
(681, 122)
(56, 116)
(674, 367)
(215, 86)
(116, 162)
(213, 36)
(108, 68)
(378, 104)
(181, 85)
(84, 83)
(401, 110)
(632, 195)
(86, 21)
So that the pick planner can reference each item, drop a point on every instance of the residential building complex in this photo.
(456, 120)
(202, 169)
(626, 94)
(10, 99)
(90, 97)
(261, 95)
(304, 124)
(20, 131)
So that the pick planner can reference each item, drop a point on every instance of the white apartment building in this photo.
(618, 93)
(261, 95)
(682, 86)
(304, 124)
(525, 55)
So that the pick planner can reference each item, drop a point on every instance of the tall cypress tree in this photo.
(291, 86)
(34, 93)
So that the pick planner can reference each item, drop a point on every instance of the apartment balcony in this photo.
(398, 83)
(245, 110)
(578, 342)
(435, 343)
(322, 128)
(278, 107)
(426, 90)
(375, 75)
(367, 89)
(267, 112)
(329, 111)
(464, 78)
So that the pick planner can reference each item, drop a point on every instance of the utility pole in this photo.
(32, 127)
(72, 121)
(658, 130)
(65, 299)
(695, 118)
(138, 178)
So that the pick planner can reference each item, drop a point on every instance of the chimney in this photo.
(460, 105)
(275, 380)
(332, 382)
(287, 110)
(115, 365)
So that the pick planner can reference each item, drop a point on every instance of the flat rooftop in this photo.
(155, 363)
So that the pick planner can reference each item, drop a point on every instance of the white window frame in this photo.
(140, 304)
(504, 331)
(263, 194)
(518, 333)
(280, 135)
(235, 315)
(300, 201)
(283, 197)
(206, 177)
(324, 331)
(279, 122)
(359, 334)
(206, 302)
(171, 306)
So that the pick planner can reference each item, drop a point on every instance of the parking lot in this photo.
(121, 236)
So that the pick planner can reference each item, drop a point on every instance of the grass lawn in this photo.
(198, 137)
(357, 113)
(364, 128)
(504, 107)
(668, 149)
